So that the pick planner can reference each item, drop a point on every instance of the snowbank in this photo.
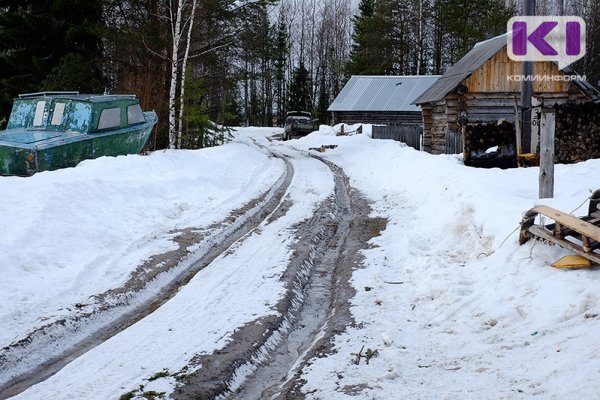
(454, 306)
(75, 232)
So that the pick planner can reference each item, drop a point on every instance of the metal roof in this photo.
(94, 98)
(381, 93)
(584, 85)
(474, 59)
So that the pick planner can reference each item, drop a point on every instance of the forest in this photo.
(203, 64)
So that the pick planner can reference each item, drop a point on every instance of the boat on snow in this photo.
(52, 130)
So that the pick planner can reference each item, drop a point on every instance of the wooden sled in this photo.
(579, 235)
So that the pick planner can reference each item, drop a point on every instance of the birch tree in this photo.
(176, 38)
(181, 17)
(184, 71)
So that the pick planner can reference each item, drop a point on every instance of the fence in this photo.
(409, 134)
(454, 143)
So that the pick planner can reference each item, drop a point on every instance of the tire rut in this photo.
(264, 358)
(46, 350)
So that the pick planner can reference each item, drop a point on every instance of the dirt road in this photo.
(262, 358)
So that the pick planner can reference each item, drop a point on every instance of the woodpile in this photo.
(577, 135)
(490, 145)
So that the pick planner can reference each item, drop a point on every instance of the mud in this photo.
(264, 359)
(362, 228)
(32, 359)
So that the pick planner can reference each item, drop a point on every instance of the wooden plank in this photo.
(546, 189)
(490, 117)
(517, 126)
(576, 261)
(542, 233)
(578, 225)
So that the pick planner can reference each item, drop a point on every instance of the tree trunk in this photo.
(176, 34)
(183, 75)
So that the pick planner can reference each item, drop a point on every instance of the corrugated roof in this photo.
(381, 93)
(474, 59)
(584, 85)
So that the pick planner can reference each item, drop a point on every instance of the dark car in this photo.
(299, 123)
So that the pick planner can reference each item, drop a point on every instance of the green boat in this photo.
(52, 130)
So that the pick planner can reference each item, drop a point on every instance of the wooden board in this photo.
(575, 248)
(572, 262)
(569, 221)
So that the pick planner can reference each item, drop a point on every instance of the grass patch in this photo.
(128, 396)
(162, 374)
(152, 395)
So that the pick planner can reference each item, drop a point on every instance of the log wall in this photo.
(378, 117)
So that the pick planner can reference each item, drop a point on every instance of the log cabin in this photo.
(485, 86)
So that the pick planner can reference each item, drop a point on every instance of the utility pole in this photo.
(527, 90)
(561, 7)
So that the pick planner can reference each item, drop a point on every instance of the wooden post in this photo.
(518, 128)
(466, 154)
(527, 90)
(536, 123)
(547, 157)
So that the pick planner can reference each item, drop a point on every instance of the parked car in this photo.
(52, 130)
(299, 123)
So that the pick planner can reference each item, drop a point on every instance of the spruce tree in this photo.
(300, 99)
(466, 22)
(372, 50)
(48, 46)
(279, 64)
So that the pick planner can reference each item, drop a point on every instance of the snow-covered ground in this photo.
(453, 305)
(72, 233)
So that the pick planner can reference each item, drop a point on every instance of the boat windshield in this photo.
(66, 115)
(21, 115)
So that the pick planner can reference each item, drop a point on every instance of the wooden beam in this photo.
(547, 157)
(518, 126)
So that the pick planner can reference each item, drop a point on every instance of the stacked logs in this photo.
(577, 134)
(481, 137)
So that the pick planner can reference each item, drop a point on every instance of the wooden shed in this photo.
(380, 100)
(485, 85)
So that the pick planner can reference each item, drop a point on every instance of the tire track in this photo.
(46, 350)
(265, 358)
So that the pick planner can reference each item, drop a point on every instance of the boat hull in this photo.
(64, 151)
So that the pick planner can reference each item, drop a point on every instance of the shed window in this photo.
(135, 114)
(57, 116)
(39, 113)
(110, 118)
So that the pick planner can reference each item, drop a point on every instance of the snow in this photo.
(72, 233)
(451, 302)
(454, 306)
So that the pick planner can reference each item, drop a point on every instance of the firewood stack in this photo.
(481, 137)
(577, 135)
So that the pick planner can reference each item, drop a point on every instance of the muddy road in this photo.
(262, 358)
